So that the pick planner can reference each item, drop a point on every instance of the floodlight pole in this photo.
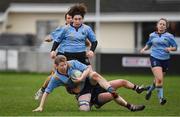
(97, 19)
(98, 55)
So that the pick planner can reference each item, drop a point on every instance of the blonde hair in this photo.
(59, 59)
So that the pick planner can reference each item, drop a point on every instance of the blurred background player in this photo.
(73, 47)
(68, 20)
(65, 68)
(161, 43)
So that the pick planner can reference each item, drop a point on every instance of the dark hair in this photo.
(78, 9)
(65, 16)
(164, 19)
(59, 59)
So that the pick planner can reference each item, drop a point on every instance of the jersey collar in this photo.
(75, 27)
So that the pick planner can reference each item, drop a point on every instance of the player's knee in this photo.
(94, 75)
(114, 95)
(123, 82)
(159, 81)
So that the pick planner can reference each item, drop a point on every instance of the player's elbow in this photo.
(175, 49)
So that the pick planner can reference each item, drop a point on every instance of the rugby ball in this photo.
(75, 74)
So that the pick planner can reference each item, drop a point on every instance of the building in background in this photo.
(124, 24)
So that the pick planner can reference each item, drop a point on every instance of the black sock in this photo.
(43, 89)
(135, 87)
(128, 106)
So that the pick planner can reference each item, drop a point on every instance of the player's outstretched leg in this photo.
(118, 99)
(149, 91)
(162, 100)
(148, 95)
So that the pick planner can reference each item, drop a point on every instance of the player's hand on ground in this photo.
(38, 109)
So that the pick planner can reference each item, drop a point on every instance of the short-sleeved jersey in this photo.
(158, 43)
(73, 39)
(59, 79)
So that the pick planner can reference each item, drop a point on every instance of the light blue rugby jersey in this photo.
(72, 39)
(158, 43)
(59, 79)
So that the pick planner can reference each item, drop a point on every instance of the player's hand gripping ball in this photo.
(76, 74)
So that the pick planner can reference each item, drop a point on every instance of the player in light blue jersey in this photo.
(72, 38)
(68, 20)
(84, 85)
(161, 43)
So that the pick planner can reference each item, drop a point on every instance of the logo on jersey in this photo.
(165, 39)
(154, 63)
(83, 33)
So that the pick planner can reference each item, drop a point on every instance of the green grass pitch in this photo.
(17, 97)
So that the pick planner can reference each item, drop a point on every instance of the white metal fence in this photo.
(24, 59)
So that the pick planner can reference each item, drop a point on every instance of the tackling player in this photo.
(83, 85)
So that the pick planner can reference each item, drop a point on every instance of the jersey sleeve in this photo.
(58, 34)
(53, 83)
(173, 42)
(149, 42)
(91, 35)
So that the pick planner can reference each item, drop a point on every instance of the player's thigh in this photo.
(117, 83)
(105, 97)
(157, 71)
(157, 67)
(158, 74)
